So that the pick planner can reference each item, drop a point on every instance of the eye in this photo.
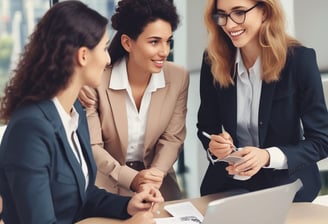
(106, 48)
(153, 42)
(239, 12)
(221, 15)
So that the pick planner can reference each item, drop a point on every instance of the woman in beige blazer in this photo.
(137, 116)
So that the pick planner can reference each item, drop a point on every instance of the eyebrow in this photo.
(159, 38)
(233, 9)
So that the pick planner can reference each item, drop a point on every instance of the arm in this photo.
(208, 113)
(307, 103)
(313, 112)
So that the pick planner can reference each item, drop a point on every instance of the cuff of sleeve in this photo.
(278, 159)
(126, 176)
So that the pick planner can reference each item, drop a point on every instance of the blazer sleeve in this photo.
(313, 112)
(101, 203)
(168, 146)
(106, 163)
(209, 119)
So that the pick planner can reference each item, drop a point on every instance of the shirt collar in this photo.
(119, 78)
(70, 121)
(240, 67)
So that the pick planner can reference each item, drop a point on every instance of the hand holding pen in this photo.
(221, 145)
(146, 200)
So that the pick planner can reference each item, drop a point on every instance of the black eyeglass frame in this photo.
(216, 15)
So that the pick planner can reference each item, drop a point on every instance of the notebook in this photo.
(269, 206)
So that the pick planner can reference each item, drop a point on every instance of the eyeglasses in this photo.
(237, 16)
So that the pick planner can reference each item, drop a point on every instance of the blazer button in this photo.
(261, 123)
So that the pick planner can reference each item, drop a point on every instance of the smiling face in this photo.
(149, 51)
(243, 35)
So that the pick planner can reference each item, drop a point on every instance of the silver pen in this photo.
(234, 148)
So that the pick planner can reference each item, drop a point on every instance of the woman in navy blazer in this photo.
(45, 176)
(261, 92)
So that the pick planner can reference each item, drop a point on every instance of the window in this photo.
(18, 19)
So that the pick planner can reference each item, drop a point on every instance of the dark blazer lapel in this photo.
(83, 136)
(267, 93)
(229, 108)
(50, 112)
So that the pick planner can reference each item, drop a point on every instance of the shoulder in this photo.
(171, 67)
(299, 52)
(40, 117)
(175, 73)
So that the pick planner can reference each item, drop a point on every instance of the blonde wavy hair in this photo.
(273, 39)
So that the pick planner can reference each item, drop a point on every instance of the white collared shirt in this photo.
(137, 120)
(249, 86)
(70, 123)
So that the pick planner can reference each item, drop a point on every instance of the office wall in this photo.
(190, 37)
(311, 27)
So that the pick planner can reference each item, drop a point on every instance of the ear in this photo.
(82, 56)
(126, 42)
(264, 14)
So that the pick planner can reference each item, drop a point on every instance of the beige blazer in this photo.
(165, 132)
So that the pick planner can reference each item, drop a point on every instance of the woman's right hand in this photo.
(152, 176)
(145, 217)
(146, 200)
(86, 97)
(221, 145)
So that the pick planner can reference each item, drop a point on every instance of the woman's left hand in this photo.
(253, 160)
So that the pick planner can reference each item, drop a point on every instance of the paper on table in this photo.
(183, 209)
(178, 220)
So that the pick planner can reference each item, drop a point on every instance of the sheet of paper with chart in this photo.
(183, 213)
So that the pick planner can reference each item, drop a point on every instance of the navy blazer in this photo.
(41, 180)
(292, 116)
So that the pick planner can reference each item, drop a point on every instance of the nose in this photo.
(108, 59)
(165, 50)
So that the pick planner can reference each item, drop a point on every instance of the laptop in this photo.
(269, 206)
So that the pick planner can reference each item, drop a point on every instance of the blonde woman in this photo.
(261, 93)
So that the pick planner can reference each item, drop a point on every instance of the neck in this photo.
(67, 97)
(137, 76)
(249, 55)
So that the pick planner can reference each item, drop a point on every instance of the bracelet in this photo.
(212, 158)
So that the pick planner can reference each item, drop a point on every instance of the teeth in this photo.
(236, 33)
(159, 62)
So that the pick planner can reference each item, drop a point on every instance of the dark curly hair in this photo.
(132, 16)
(46, 65)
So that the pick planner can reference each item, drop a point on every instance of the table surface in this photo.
(299, 213)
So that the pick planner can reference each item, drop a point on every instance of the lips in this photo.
(158, 62)
(236, 33)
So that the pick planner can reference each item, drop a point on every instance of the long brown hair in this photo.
(46, 65)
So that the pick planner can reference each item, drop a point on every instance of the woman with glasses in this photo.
(261, 100)
(137, 115)
(47, 171)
